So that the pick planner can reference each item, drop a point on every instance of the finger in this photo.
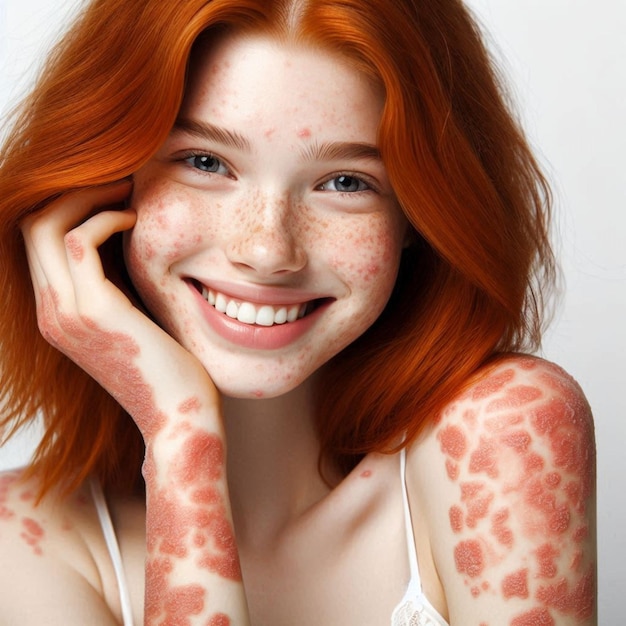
(45, 231)
(91, 285)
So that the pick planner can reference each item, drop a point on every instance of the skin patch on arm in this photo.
(519, 446)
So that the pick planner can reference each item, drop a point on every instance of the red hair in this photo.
(470, 285)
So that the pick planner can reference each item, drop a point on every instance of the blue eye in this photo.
(207, 163)
(345, 183)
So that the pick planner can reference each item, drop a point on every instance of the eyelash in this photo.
(189, 156)
(369, 185)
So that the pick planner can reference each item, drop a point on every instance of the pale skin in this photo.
(280, 202)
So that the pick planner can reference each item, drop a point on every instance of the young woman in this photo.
(286, 258)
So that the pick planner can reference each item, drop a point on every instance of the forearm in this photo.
(192, 567)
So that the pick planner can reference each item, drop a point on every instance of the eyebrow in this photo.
(326, 151)
(207, 131)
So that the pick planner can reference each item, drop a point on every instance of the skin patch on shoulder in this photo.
(524, 467)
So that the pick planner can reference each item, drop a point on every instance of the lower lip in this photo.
(253, 336)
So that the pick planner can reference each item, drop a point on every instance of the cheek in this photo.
(369, 253)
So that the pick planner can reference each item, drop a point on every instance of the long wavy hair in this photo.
(471, 285)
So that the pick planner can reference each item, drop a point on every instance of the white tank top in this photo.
(413, 610)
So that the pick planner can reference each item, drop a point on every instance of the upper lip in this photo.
(260, 294)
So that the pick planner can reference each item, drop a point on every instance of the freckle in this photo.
(468, 556)
(453, 442)
(456, 518)
(534, 617)
(516, 585)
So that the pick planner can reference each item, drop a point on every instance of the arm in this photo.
(192, 570)
(513, 515)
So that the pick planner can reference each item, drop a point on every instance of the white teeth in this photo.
(220, 303)
(248, 313)
(293, 313)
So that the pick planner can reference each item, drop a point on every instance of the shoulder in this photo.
(50, 553)
(511, 496)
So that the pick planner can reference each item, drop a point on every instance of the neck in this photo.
(273, 455)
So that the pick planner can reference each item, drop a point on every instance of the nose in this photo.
(267, 240)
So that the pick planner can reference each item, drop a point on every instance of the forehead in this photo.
(251, 78)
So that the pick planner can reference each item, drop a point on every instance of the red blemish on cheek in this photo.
(219, 620)
(74, 247)
(304, 133)
(453, 442)
(535, 617)
(366, 474)
(516, 585)
(32, 534)
(189, 406)
(469, 559)
(456, 519)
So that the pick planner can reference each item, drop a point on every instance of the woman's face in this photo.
(268, 236)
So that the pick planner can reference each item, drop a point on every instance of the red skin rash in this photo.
(32, 534)
(529, 444)
(536, 617)
(74, 247)
(219, 620)
(469, 559)
(116, 368)
(516, 584)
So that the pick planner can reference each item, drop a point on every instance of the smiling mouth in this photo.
(258, 314)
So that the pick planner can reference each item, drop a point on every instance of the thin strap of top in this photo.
(408, 524)
(114, 550)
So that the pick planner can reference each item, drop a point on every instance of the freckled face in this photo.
(268, 236)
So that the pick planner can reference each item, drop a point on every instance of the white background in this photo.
(566, 62)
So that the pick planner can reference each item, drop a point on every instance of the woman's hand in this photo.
(192, 555)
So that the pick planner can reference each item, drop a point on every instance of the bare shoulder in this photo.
(512, 489)
(51, 570)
